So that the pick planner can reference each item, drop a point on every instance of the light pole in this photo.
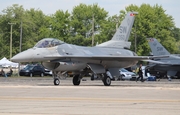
(93, 31)
(11, 39)
(135, 39)
(20, 44)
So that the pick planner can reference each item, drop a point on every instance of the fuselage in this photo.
(161, 67)
(169, 66)
(46, 55)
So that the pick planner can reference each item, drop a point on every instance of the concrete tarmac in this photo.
(38, 96)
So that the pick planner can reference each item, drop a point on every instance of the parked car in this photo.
(32, 70)
(127, 75)
(47, 72)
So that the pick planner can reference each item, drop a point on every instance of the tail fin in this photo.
(156, 48)
(120, 38)
(123, 32)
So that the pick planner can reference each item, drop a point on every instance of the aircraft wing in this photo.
(105, 57)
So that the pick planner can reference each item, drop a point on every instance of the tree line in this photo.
(76, 27)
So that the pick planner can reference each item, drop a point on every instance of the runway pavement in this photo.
(27, 96)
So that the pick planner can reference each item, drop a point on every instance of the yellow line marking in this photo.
(89, 99)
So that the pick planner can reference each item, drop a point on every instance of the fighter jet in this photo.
(59, 56)
(169, 65)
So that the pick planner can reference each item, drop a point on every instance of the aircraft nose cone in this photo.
(25, 56)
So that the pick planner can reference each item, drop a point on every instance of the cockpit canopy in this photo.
(48, 42)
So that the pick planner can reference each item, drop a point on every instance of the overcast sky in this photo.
(172, 7)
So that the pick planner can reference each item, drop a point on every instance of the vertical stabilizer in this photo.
(156, 48)
(120, 38)
(123, 32)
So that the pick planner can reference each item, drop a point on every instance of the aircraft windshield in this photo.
(48, 42)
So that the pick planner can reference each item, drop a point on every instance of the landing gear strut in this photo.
(56, 81)
(57, 75)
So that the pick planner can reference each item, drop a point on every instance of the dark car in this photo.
(32, 70)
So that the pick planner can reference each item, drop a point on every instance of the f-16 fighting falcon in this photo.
(169, 66)
(59, 56)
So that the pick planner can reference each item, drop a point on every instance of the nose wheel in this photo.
(56, 78)
(56, 81)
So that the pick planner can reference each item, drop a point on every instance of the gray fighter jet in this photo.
(169, 65)
(61, 57)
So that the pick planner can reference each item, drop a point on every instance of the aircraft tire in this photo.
(56, 81)
(76, 80)
(92, 77)
(107, 80)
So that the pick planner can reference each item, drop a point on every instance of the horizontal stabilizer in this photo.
(156, 62)
(161, 62)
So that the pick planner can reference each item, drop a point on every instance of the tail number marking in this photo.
(120, 37)
(160, 51)
(122, 30)
(159, 48)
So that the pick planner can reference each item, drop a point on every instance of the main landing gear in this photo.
(106, 80)
(76, 78)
